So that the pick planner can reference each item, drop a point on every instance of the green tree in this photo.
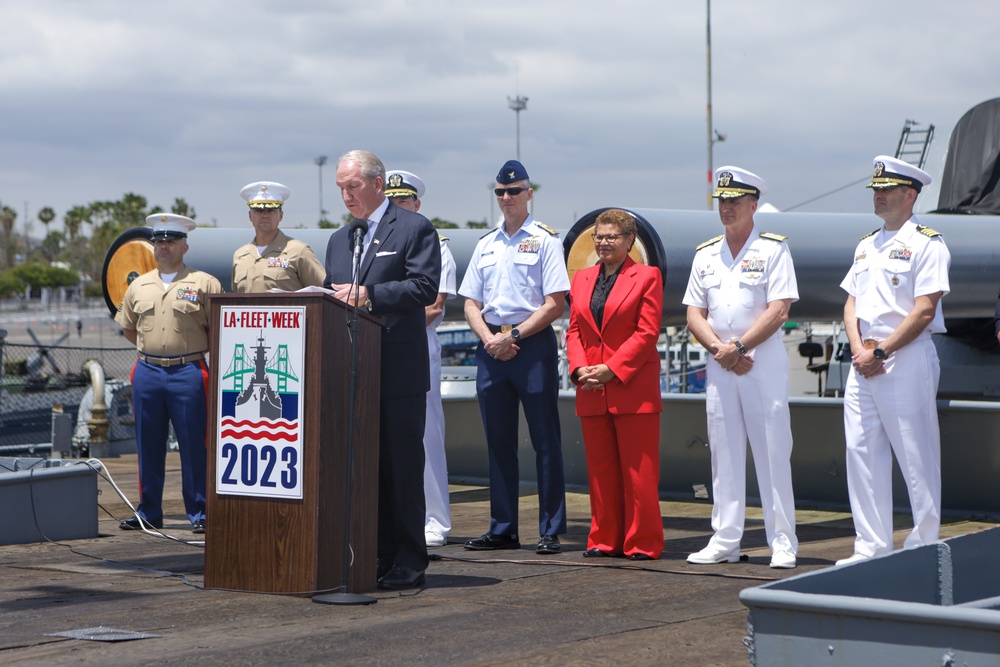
(477, 224)
(181, 207)
(52, 245)
(10, 242)
(443, 224)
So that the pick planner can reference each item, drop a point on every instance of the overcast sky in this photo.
(196, 99)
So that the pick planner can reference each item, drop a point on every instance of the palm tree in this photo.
(7, 218)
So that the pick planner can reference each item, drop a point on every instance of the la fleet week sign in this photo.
(260, 366)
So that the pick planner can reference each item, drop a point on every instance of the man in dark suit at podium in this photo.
(400, 270)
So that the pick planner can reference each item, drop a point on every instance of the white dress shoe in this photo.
(856, 558)
(784, 560)
(710, 556)
(434, 539)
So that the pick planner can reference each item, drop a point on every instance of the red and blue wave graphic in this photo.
(263, 429)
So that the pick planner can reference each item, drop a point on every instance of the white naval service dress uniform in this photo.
(438, 519)
(896, 410)
(735, 291)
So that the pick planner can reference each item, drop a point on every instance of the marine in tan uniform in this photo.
(272, 259)
(165, 315)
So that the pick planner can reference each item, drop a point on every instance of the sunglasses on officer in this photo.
(513, 192)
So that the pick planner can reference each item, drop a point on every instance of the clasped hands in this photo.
(501, 347)
(864, 362)
(594, 377)
(731, 360)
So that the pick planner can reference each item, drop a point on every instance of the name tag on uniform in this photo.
(279, 262)
(187, 294)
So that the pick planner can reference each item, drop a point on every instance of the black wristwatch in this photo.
(515, 333)
(878, 353)
(740, 347)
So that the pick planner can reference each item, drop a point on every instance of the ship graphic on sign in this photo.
(252, 408)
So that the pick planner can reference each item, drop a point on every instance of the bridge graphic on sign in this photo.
(250, 377)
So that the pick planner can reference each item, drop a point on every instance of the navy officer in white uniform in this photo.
(894, 287)
(515, 287)
(741, 286)
(405, 189)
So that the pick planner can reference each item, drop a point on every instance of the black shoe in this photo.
(548, 544)
(401, 577)
(133, 524)
(198, 526)
(639, 556)
(491, 542)
(596, 553)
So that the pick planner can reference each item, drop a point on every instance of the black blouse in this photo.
(601, 291)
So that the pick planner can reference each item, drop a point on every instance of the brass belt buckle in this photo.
(504, 328)
(870, 343)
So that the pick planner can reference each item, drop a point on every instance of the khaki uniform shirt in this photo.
(169, 322)
(286, 264)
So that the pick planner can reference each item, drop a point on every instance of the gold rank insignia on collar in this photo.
(711, 241)
(927, 231)
(770, 236)
(548, 229)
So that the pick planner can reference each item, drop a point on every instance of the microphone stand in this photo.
(343, 597)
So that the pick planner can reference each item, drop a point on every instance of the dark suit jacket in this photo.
(626, 342)
(401, 274)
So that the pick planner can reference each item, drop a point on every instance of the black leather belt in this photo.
(171, 361)
(500, 328)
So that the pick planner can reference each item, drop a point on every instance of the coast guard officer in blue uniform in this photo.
(165, 315)
(515, 287)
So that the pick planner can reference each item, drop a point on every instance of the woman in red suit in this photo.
(615, 313)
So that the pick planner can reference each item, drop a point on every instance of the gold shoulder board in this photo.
(927, 231)
(711, 241)
(869, 234)
(548, 229)
(770, 236)
(441, 238)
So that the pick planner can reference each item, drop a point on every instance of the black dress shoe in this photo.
(639, 556)
(491, 542)
(596, 553)
(401, 577)
(198, 526)
(548, 544)
(133, 524)
(381, 569)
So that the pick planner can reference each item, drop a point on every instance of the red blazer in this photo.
(626, 342)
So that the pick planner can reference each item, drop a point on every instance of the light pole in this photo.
(518, 104)
(320, 161)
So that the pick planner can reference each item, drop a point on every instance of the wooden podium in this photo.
(278, 436)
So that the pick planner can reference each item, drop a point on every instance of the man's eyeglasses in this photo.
(513, 192)
(610, 238)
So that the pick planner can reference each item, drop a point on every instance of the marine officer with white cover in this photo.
(895, 286)
(272, 259)
(405, 189)
(165, 314)
(738, 295)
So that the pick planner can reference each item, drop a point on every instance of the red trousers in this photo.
(623, 466)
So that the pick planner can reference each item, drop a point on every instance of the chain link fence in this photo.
(36, 379)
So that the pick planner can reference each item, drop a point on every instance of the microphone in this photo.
(359, 227)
